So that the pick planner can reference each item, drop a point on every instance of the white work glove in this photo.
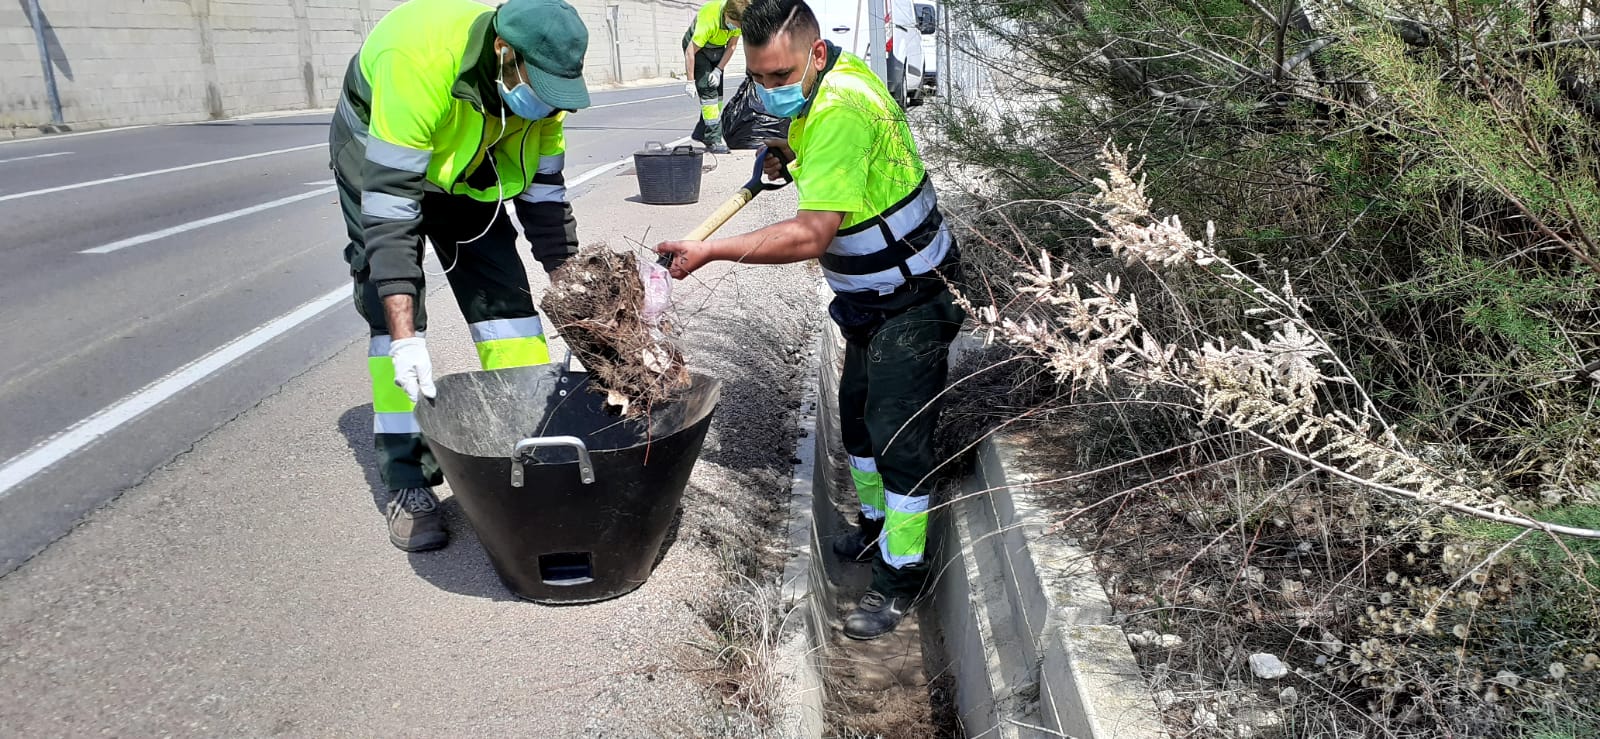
(694, 93)
(413, 370)
(715, 78)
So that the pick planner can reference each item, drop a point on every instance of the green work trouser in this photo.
(491, 288)
(889, 408)
(705, 60)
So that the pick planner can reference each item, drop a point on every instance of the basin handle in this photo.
(520, 454)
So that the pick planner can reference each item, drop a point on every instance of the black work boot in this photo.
(415, 522)
(875, 615)
(859, 544)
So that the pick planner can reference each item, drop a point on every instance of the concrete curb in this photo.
(33, 132)
(1026, 627)
(804, 633)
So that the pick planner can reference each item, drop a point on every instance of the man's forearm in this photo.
(784, 242)
(397, 311)
(727, 56)
(688, 60)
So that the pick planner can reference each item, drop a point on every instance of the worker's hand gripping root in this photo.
(685, 256)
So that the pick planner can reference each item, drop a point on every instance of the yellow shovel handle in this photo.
(726, 211)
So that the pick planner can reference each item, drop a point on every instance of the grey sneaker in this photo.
(415, 522)
(874, 616)
(718, 148)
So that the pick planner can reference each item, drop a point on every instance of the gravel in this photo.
(1267, 666)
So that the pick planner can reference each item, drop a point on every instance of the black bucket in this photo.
(668, 176)
(570, 502)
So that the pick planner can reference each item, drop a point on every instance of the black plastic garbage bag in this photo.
(745, 124)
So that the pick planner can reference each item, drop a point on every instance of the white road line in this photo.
(604, 168)
(152, 173)
(202, 223)
(36, 156)
(629, 102)
(85, 432)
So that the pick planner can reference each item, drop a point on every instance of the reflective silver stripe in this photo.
(506, 328)
(885, 281)
(871, 513)
(865, 464)
(352, 121)
(378, 346)
(389, 207)
(395, 423)
(901, 223)
(910, 504)
(395, 156)
(537, 193)
(896, 562)
(552, 164)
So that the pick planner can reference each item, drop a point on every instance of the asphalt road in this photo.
(155, 282)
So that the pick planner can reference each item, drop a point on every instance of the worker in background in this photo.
(450, 109)
(868, 212)
(708, 46)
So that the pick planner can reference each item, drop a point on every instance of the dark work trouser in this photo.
(491, 288)
(705, 60)
(889, 408)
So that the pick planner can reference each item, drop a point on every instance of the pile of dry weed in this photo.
(596, 303)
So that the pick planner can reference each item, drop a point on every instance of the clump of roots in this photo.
(597, 303)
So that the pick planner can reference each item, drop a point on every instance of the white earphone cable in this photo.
(500, 193)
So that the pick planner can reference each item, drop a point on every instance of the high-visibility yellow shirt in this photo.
(854, 155)
(853, 149)
(709, 29)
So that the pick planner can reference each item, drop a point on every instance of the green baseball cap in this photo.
(551, 39)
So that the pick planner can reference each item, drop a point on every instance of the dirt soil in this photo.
(880, 688)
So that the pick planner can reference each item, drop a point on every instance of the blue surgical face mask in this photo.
(786, 101)
(521, 100)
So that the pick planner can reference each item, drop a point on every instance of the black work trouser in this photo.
(889, 408)
(491, 288)
(705, 60)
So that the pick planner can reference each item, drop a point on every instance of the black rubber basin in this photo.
(552, 536)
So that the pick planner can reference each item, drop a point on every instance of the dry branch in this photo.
(596, 302)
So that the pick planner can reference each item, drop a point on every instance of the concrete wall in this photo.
(154, 61)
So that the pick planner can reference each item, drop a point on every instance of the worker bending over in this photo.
(450, 109)
(708, 46)
(868, 212)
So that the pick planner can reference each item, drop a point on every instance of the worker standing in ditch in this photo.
(708, 46)
(450, 109)
(868, 212)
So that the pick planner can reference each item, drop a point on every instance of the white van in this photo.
(845, 24)
(928, 26)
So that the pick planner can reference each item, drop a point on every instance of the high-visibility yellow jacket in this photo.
(421, 112)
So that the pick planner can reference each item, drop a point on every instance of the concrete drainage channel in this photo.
(1017, 619)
